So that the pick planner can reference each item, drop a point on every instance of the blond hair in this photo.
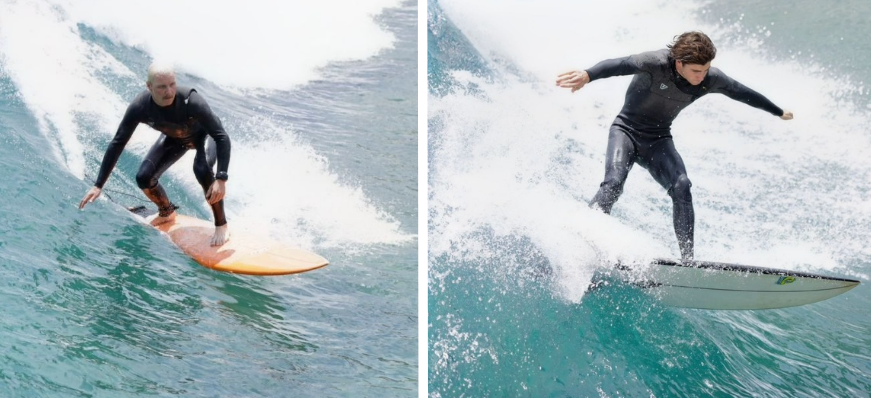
(160, 68)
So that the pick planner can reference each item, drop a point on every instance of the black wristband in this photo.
(221, 175)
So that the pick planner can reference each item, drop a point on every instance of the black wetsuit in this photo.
(642, 131)
(185, 125)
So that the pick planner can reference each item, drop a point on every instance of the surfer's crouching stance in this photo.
(186, 122)
(666, 81)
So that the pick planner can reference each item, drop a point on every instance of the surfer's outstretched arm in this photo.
(116, 146)
(113, 152)
(741, 93)
(576, 80)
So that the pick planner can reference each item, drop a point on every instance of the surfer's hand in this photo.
(787, 115)
(574, 80)
(216, 192)
(91, 196)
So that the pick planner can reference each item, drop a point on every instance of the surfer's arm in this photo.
(113, 152)
(607, 68)
(203, 113)
(574, 80)
(116, 146)
(613, 67)
(741, 93)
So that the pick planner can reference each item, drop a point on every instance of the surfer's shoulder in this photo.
(651, 59)
(139, 104)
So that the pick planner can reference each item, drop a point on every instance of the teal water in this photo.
(513, 161)
(96, 304)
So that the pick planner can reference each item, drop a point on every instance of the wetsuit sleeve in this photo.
(203, 113)
(739, 92)
(613, 67)
(116, 146)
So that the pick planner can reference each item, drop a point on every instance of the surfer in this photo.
(186, 122)
(666, 81)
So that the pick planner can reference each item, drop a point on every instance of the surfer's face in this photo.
(693, 73)
(162, 89)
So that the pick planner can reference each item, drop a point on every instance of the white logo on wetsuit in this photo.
(662, 86)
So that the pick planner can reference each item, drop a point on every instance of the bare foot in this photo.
(222, 235)
(157, 220)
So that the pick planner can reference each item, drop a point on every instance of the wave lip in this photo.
(263, 44)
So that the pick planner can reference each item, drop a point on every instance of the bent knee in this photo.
(202, 170)
(204, 174)
(145, 180)
(680, 190)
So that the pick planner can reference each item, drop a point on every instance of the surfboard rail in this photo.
(724, 286)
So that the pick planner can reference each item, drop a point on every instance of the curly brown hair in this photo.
(692, 48)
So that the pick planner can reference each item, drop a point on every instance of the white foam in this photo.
(495, 167)
(56, 73)
(283, 186)
(522, 156)
(258, 43)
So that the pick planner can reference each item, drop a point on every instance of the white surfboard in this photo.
(721, 286)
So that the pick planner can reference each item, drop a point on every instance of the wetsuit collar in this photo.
(672, 66)
(684, 85)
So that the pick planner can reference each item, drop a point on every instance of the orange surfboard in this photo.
(242, 254)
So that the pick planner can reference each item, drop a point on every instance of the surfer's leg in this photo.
(667, 168)
(164, 153)
(618, 161)
(203, 163)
